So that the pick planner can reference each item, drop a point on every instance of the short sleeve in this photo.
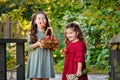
(80, 53)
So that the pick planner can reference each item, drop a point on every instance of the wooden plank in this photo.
(0, 27)
(20, 60)
(3, 61)
(117, 64)
(7, 29)
(115, 39)
(7, 40)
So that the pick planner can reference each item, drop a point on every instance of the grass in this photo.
(58, 69)
(91, 69)
(97, 70)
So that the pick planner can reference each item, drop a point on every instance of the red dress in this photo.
(75, 53)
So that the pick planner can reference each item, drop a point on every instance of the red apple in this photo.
(43, 24)
(63, 50)
(47, 37)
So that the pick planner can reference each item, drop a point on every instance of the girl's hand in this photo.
(55, 48)
(79, 73)
(40, 44)
(63, 51)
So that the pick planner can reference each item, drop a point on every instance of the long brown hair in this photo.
(77, 29)
(33, 30)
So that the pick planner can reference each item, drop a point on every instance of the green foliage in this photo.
(59, 66)
(11, 55)
(56, 54)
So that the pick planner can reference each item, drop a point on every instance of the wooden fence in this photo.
(7, 35)
(19, 58)
(114, 58)
(10, 29)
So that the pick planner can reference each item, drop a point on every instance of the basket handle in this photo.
(50, 32)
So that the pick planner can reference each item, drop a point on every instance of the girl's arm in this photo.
(79, 70)
(35, 45)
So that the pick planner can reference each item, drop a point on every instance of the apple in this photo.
(43, 24)
(63, 50)
(47, 37)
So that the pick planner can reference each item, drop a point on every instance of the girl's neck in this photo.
(75, 40)
(39, 29)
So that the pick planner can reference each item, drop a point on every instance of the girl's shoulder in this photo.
(80, 45)
(76, 44)
(80, 42)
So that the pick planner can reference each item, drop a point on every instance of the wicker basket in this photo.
(50, 41)
(71, 77)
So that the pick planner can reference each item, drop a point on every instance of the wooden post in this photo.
(7, 29)
(3, 61)
(0, 27)
(20, 60)
(114, 58)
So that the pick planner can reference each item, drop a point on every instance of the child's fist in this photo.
(63, 51)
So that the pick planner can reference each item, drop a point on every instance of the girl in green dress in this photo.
(40, 61)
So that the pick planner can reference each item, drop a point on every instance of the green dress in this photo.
(40, 61)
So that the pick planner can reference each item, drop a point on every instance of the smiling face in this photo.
(40, 21)
(71, 35)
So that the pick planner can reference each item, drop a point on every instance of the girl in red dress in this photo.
(74, 52)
